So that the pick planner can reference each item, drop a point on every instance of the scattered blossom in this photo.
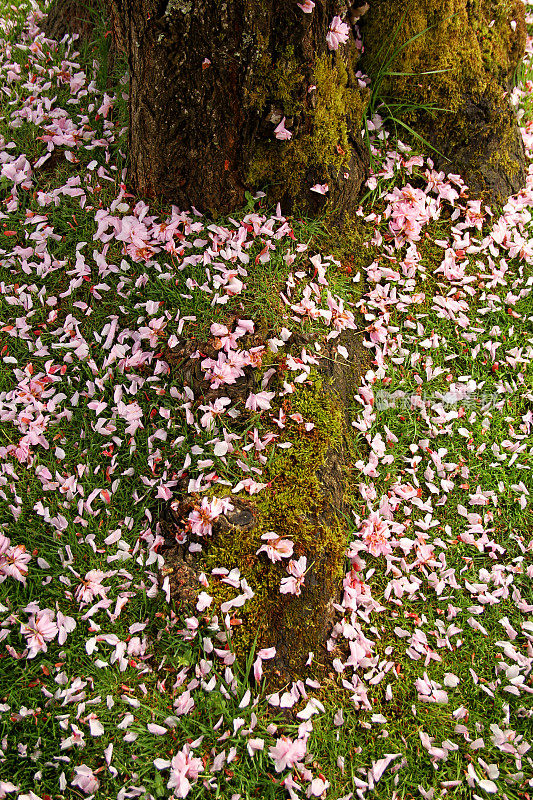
(433, 359)
(40, 629)
(287, 752)
(276, 547)
(281, 132)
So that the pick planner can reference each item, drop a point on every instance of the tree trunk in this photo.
(211, 81)
(460, 56)
(82, 17)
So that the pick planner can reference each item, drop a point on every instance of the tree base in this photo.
(68, 17)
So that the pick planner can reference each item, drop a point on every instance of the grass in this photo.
(46, 699)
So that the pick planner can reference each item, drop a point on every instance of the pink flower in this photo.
(184, 704)
(263, 655)
(266, 653)
(338, 33)
(132, 413)
(318, 787)
(22, 452)
(218, 330)
(183, 767)
(91, 587)
(296, 570)
(201, 519)
(85, 779)
(281, 132)
(106, 106)
(474, 216)
(356, 592)
(409, 210)
(76, 739)
(377, 332)
(375, 534)
(204, 601)
(307, 306)
(255, 745)
(307, 6)
(154, 330)
(285, 753)
(213, 410)
(452, 270)
(14, 562)
(7, 786)
(338, 316)
(277, 548)
(39, 630)
(259, 401)
(164, 492)
(249, 485)
(95, 726)
(404, 490)
(224, 369)
(320, 188)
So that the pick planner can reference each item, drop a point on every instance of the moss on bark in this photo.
(296, 505)
(325, 122)
(461, 56)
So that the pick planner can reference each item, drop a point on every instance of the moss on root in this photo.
(298, 505)
(350, 244)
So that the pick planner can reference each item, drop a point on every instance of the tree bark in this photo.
(210, 81)
(460, 56)
(82, 16)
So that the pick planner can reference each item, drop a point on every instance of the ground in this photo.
(127, 429)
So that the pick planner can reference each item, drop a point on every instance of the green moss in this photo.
(321, 123)
(349, 244)
(501, 158)
(432, 37)
(496, 38)
(333, 106)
